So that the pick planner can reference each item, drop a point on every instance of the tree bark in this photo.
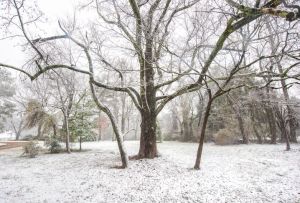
(202, 132)
(148, 148)
(54, 131)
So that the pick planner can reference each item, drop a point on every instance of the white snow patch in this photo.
(240, 173)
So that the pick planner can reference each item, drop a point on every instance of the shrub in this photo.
(31, 149)
(53, 146)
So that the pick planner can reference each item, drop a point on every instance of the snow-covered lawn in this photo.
(240, 173)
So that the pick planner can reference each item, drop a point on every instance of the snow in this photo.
(239, 173)
(8, 135)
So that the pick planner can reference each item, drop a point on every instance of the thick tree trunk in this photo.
(148, 148)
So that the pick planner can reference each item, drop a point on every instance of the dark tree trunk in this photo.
(54, 131)
(202, 133)
(148, 148)
(242, 129)
(272, 124)
(80, 142)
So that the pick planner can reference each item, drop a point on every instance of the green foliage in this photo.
(81, 123)
(31, 149)
(53, 146)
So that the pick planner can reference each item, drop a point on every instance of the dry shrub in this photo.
(31, 149)
(225, 137)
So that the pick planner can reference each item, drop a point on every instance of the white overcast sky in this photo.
(54, 10)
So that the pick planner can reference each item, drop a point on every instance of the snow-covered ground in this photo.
(240, 173)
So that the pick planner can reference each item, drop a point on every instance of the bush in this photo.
(224, 137)
(31, 149)
(53, 146)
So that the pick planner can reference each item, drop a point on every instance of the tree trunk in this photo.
(39, 130)
(80, 142)
(272, 124)
(54, 131)
(123, 113)
(18, 135)
(67, 133)
(242, 129)
(287, 140)
(202, 133)
(148, 148)
(123, 154)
